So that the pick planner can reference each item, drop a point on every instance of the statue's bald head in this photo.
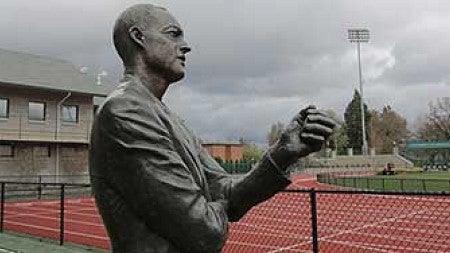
(141, 16)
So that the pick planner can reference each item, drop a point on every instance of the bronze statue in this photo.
(156, 188)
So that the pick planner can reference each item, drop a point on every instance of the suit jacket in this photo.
(156, 188)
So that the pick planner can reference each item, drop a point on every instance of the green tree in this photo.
(251, 152)
(352, 118)
(275, 131)
(436, 125)
(338, 140)
(341, 139)
(388, 129)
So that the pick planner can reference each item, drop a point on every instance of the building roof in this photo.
(234, 143)
(33, 71)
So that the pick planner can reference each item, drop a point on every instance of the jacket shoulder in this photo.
(128, 97)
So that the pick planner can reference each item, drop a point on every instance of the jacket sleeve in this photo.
(155, 182)
(242, 192)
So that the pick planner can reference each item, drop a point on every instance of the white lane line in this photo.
(270, 232)
(355, 245)
(262, 246)
(272, 235)
(21, 204)
(55, 211)
(411, 239)
(40, 217)
(8, 251)
(387, 248)
(349, 231)
(362, 246)
(66, 231)
(431, 199)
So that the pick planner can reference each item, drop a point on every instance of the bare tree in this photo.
(437, 123)
(388, 129)
(275, 132)
(339, 139)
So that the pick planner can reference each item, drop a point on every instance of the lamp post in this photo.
(359, 36)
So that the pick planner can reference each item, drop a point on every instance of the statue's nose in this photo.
(185, 49)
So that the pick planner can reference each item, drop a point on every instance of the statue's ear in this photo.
(136, 35)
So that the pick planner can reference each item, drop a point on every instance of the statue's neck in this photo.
(153, 82)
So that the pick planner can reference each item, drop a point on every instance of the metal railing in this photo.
(47, 178)
(384, 183)
(18, 192)
(320, 220)
(295, 220)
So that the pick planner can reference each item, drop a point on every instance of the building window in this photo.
(36, 111)
(95, 109)
(6, 150)
(69, 113)
(42, 151)
(4, 108)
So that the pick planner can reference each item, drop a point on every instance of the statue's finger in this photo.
(315, 142)
(301, 116)
(319, 129)
(321, 119)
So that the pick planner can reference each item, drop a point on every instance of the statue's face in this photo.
(165, 47)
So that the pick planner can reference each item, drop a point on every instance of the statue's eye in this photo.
(174, 32)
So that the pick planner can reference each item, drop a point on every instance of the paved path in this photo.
(12, 243)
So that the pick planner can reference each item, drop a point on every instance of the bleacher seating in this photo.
(352, 163)
(376, 161)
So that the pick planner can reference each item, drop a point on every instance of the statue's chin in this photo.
(175, 77)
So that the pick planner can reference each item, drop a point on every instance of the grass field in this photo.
(406, 181)
(420, 175)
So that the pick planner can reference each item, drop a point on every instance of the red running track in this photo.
(346, 223)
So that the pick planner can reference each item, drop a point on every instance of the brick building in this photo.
(46, 112)
(226, 151)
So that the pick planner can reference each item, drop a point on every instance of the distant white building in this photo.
(46, 112)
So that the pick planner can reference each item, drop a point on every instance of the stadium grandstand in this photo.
(428, 154)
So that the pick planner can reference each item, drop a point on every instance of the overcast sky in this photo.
(257, 62)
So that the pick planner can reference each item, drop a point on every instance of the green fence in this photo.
(237, 167)
(388, 184)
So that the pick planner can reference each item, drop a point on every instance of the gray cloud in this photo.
(257, 62)
(422, 54)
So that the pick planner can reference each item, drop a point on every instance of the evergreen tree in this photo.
(352, 118)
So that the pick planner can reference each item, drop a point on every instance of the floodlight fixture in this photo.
(358, 35)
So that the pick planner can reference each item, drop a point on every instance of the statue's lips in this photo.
(183, 59)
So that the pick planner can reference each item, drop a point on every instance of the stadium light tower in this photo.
(358, 36)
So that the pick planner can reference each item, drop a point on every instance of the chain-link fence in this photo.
(295, 220)
(332, 221)
(363, 180)
(39, 209)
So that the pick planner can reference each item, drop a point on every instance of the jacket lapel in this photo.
(182, 139)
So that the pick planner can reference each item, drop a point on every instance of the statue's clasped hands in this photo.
(306, 133)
